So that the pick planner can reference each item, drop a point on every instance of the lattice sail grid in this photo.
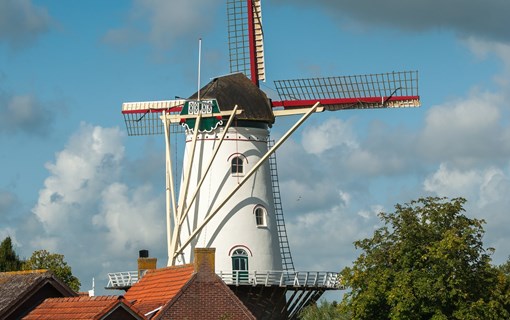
(395, 89)
(238, 37)
(144, 118)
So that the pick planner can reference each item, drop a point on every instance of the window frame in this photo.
(260, 213)
(237, 163)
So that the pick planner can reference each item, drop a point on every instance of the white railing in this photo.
(298, 279)
(122, 279)
(313, 279)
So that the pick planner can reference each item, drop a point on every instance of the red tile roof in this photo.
(78, 308)
(158, 287)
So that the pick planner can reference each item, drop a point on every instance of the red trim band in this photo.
(303, 103)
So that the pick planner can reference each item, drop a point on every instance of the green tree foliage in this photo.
(43, 259)
(9, 260)
(325, 311)
(505, 268)
(426, 262)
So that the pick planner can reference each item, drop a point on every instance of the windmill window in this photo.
(237, 165)
(260, 216)
(240, 265)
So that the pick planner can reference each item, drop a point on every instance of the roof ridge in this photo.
(182, 266)
(35, 271)
(86, 298)
(110, 306)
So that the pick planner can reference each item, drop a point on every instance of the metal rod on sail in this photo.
(199, 64)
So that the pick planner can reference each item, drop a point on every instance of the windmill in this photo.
(229, 195)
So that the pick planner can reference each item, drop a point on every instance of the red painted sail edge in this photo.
(335, 101)
(251, 40)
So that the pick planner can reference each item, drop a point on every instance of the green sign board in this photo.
(207, 108)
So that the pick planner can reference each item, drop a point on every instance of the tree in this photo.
(426, 262)
(325, 311)
(43, 259)
(9, 260)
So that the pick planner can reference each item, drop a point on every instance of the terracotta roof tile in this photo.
(158, 287)
(75, 308)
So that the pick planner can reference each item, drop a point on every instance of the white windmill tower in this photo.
(229, 196)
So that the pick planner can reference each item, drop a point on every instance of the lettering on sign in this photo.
(196, 107)
(209, 110)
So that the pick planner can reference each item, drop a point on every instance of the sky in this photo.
(73, 182)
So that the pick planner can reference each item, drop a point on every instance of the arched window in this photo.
(260, 216)
(237, 165)
(240, 265)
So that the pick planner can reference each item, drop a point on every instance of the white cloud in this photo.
(168, 22)
(486, 190)
(453, 182)
(132, 218)
(372, 212)
(466, 131)
(330, 134)
(90, 162)
(322, 240)
(483, 49)
(494, 188)
(89, 214)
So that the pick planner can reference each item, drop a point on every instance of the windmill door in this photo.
(240, 266)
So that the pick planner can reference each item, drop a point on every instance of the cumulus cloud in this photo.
(486, 189)
(163, 23)
(90, 162)
(454, 182)
(468, 130)
(24, 113)
(466, 17)
(484, 49)
(130, 218)
(330, 134)
(321, 240)
(22, 22)
(87, 210)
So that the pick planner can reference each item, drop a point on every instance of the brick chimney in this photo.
(204, 261)
(145, 263)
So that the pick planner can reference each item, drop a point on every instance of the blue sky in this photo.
(72, 182)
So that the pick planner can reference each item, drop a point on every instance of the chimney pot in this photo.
(143, 253)
(145, 263)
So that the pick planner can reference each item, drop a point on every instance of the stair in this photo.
(287, 263)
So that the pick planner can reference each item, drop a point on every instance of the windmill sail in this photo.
(246, 39)
(144, 118)
(385, 90)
